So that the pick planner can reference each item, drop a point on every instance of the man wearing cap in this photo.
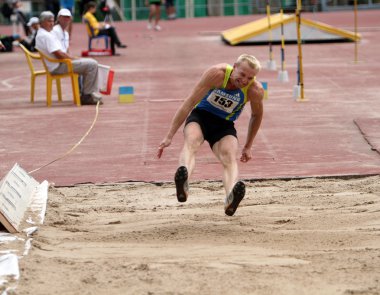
(60, 29)
(70, 5)
(30, 41)
(34, 24)
(50, 45)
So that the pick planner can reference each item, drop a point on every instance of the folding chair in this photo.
(92, 37)
(50, 77)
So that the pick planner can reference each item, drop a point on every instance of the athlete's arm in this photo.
(213, 77)
(255, 97)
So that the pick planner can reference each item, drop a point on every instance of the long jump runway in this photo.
(334, 133)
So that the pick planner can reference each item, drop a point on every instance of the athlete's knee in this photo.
(193, 136)
(192, 143)
(227, 156)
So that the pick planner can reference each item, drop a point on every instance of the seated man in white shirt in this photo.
(60, 29)
(49, 44)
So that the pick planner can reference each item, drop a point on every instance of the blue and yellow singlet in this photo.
(224, 103)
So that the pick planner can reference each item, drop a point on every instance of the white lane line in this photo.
(165, 100)
(7, 83)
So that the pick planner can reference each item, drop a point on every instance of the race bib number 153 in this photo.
(221, 102)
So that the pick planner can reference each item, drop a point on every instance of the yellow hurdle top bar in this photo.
(244, 32)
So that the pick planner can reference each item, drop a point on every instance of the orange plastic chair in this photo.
(29, 58)
(50, 77)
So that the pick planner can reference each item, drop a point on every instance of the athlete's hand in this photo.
(165, 143)
(246, 155)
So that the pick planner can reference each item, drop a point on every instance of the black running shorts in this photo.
(213, 127)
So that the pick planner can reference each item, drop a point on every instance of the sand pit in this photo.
(306, 236)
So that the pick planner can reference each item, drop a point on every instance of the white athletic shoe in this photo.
(157, 28)
(149, 26)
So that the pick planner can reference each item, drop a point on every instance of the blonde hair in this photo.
(251, 60)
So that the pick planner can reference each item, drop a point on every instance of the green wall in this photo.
(200, 8)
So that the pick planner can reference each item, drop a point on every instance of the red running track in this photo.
(321, 137)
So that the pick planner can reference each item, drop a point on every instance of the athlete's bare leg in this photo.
(193, 140)
(226, 151)
(158, 15)
(152, 12)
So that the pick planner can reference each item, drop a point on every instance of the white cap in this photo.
(64, 12)
(33, 20)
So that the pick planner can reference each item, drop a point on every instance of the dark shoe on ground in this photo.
(122, 46)
(234, 198)
(88, 102)
(87, 99)
(115, 54)
(181, 183)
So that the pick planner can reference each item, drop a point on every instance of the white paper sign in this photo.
(16, 190)
(103, 72)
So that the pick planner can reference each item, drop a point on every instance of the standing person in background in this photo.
(170, 10)
(154, 12)
(21, 17)
(69, 5)
(211, 108)
(94, 28)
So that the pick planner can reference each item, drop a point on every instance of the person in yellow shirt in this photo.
(95, 28)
